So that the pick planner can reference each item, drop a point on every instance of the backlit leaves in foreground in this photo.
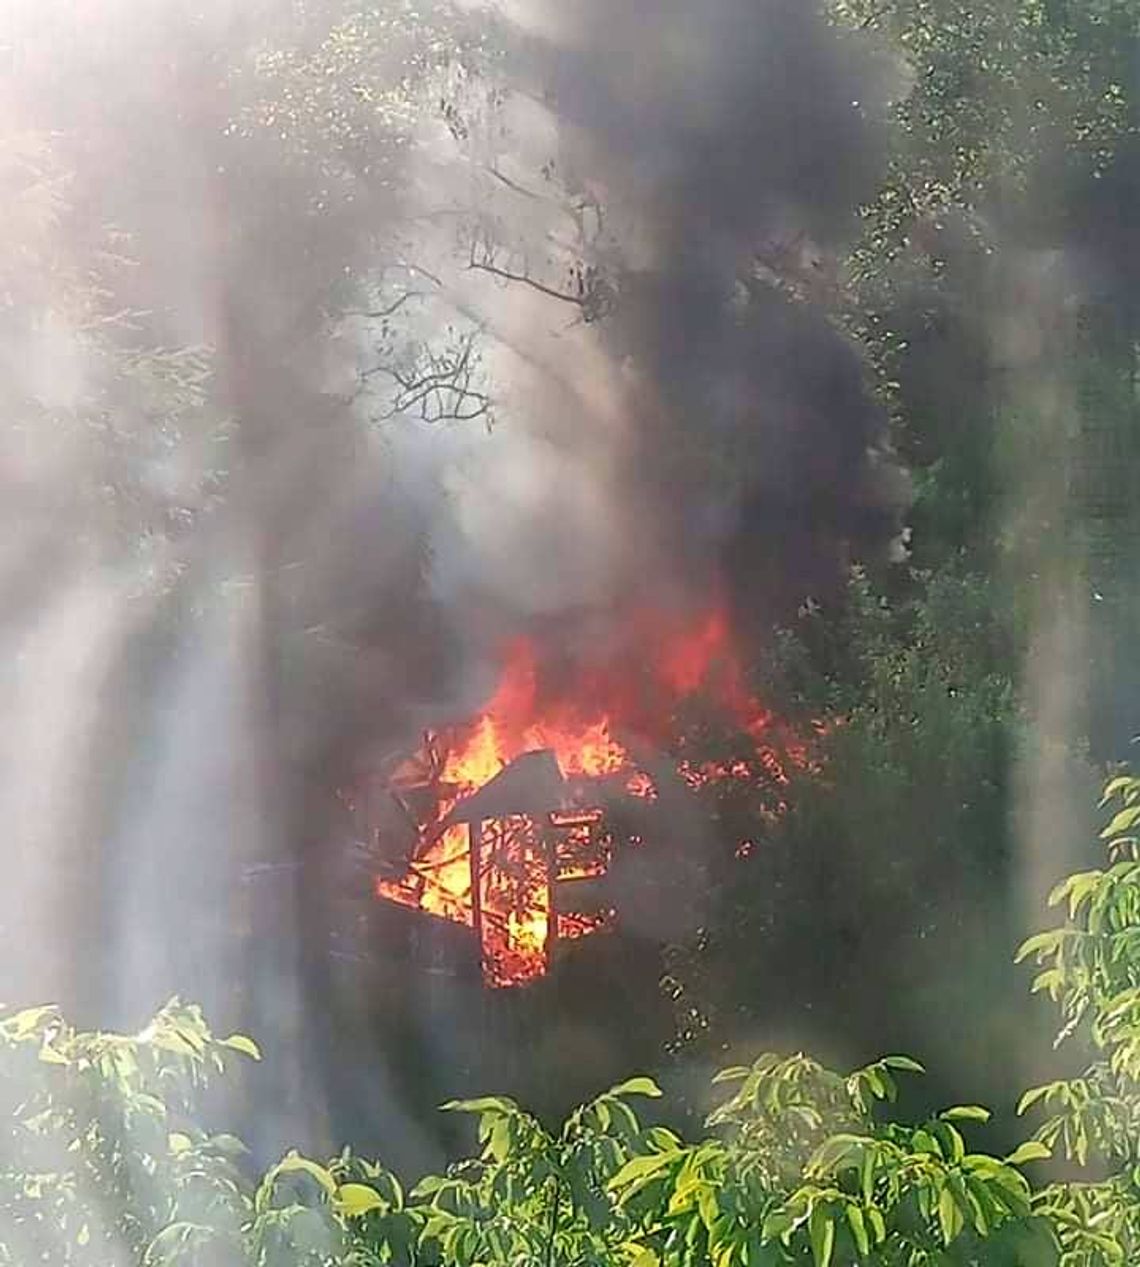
(803, 1170)
(1090, 967)
(104, 1163)
(103, 1159)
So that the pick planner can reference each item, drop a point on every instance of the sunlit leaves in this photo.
(1093, 974)
(801, 1167)
(802, 1164)
(966, 1113)
(355, 1199)
(637, 1086)
(1031, 1150)
(292, 1164)
(572, 1195)
(90, 1132)
(240, 1042)
(878, 1191)
(821, 1228)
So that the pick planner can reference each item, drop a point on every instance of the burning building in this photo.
(508, 823)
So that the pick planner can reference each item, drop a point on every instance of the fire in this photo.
(498, 869)
(514, 721)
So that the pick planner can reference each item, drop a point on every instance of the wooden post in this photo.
(549, 846)
(475, 857)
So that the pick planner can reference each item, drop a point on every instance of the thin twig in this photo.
(526, 280)
(380, 313)
(513, 185)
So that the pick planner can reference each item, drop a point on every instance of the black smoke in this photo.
(724, 140)
(293, 615)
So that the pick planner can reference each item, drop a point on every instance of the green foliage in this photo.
(135, 420)
(993, 91)
(104, 1163)
(541, 1197)
(909, 811)
(103, 1157)
(99, 1155)
(802, 1169)
(1008, 125)
(1090, 967)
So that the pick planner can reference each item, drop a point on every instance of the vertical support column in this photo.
(548, 845)
(475, 857)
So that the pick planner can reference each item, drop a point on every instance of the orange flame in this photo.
(635, 695)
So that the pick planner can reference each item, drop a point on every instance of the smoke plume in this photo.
(243, 553)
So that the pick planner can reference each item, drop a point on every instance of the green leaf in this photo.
(1031, 1150)
(601, 1111)
(1117, 785)
(867, 1175)
(821, 1230)
(182, 1242)
(355, 1199)
(441, 1222)
(949, 1215)
(294, 1162)
(25, 1023)
(902, 1062)
(244, 1044)
(637, 1086)
(485, 1104)
(838, 1152)
(640, 1167)
(858, 1225)
(1076, 888)
(499, 1140)
(881, 1084)
(723, 1255)
(923, 1142)
(1122, 821)
(707, 1206)
(1051, 980)
(685, 1193)
(878, 1224)
(966, 1113)
(778, 1224)
(732, 1074)
(952, 1144)
(169, 1241)
(179, 1143)
(1042, 944)
(312, 1234)
(1030, 1098)
(169, 1039)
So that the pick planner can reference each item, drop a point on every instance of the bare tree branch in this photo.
(591, 292)
(514, 185)
(525, 279)
(389, 310)
(439, 387)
